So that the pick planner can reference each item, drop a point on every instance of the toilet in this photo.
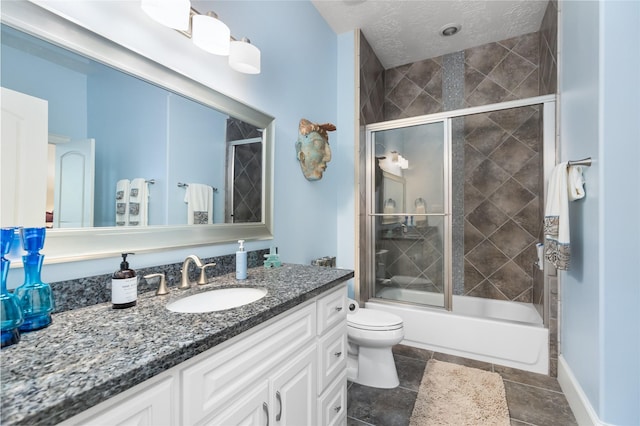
(371, 334)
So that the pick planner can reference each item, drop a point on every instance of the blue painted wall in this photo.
(599, 110)
(31, 75)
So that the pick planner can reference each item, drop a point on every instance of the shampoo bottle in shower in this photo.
(124, 286)
(241, 262)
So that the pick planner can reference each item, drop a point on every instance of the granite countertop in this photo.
(91, 354)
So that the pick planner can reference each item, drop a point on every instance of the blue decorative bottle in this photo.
(11, 312)
(36, 298)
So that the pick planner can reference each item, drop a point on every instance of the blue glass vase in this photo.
(10, 307)
(36, 298)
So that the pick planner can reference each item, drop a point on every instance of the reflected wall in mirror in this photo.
(118, 145)
(191, 134)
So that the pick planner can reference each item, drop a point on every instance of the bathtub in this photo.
(500, 332)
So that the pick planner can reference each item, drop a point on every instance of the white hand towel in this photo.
(199, 199)
(556, 219)
(576, 183)
(389, 209)
(122, 202)
(139, 203)
(421, 220)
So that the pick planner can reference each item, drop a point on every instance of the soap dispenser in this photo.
(241, 262)
(124, 286)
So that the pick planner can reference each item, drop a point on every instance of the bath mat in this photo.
(452, 394)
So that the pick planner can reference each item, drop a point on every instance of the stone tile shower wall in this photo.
(371, 88)
(247, 173)
(501, 203)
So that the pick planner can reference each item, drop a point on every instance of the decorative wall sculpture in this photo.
(312, 148)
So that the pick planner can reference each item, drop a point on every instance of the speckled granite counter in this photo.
(89, 355)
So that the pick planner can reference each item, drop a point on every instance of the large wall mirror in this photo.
(136, 156)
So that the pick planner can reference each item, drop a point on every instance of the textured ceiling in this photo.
(401, 32)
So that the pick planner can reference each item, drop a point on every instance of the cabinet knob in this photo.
(265, 406)
(337, 409)
(337, 354)
(338, 308)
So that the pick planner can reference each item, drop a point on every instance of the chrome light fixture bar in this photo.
(206, 31)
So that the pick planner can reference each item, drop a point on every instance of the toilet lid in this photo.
(371, 319)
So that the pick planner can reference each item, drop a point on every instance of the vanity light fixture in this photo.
(244, 56)
(402, 162)
(206, 31)
(210, 34)
(170, 13)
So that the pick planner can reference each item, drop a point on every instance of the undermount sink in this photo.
(217, 300)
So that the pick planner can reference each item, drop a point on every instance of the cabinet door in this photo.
(214, 382)
(293, 391)
(249, 410)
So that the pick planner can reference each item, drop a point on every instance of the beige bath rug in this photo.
(452, 394)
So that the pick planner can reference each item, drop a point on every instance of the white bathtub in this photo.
(504, 333)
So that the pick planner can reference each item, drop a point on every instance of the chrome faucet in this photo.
(184, 281)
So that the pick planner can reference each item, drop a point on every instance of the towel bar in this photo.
(584, 162)
(184, 185)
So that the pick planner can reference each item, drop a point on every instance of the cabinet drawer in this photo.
(212, 382)
(332, 355)
(332, 405)
(332, 309)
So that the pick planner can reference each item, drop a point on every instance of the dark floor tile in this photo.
(527, 378)
(538, 406)
(411, 352)
(380, 407)
(356, 422)
(481, 365)
(410, 371)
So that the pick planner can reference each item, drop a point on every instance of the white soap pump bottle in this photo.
(241, 262)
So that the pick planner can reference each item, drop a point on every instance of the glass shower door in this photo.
(408, 211)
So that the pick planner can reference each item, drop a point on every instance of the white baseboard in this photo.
(582, 409)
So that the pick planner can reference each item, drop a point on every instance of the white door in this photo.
(293, 393)
(74, 184)
(23, 156)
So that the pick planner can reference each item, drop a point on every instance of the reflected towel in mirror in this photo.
(139, 202)
(199, 199)
(122, 202)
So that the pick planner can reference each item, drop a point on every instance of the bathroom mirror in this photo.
(195, 135)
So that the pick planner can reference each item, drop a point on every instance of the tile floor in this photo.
(533, 399)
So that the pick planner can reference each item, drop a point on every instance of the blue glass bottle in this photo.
(36, 298)
(10, 308)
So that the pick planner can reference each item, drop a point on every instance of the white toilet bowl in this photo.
(371, 334)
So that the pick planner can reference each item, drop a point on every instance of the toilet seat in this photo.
(368, 319)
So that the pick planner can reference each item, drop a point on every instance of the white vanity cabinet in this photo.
(289, 371)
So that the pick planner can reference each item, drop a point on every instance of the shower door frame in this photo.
(549, 158)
